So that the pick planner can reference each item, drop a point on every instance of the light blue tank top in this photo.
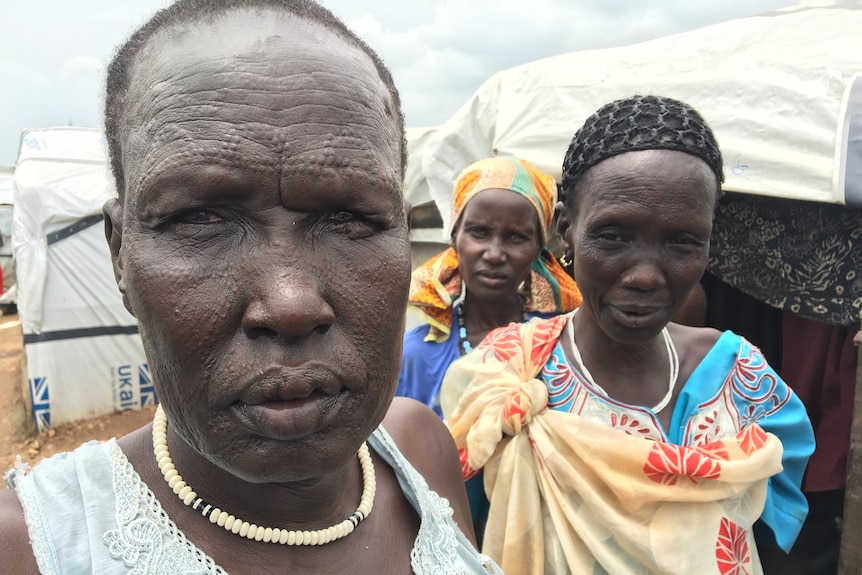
(89, 512)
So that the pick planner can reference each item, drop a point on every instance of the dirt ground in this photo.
(17, 436)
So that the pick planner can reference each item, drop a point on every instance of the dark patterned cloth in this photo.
(801, 257)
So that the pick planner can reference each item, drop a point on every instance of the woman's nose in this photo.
(645, 275)
(494, 251)
(287, 302)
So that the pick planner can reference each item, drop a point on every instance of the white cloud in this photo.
(16, 73)
(439, 51)
(81, 67)
(440, 60)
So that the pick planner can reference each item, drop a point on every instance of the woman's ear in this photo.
(408, 209)
(561, 224)
(113, 212)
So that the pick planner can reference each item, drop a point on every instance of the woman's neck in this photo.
(309, 504)
(476, 318)
(484, 315)
(617, 365)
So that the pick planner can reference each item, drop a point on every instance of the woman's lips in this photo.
(287, 419)
(286, 403)
(636, 317)
(491, 280)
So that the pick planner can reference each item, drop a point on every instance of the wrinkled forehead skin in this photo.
(291, 90)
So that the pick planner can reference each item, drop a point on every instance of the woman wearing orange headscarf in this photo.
(496, 271)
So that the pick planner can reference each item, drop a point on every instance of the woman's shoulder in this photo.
(693, 344)
(425, 442)
(698, 342)
(420, 331)
(407, 416)
(16, 554)
(416, 347)
(415, 338)
(699, 336)
(47, 498)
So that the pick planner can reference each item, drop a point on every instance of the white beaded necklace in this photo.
(673, 360)
(251, 531)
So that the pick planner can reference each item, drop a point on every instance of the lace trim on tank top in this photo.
(43, 551)
(145, 537)
(436, 546)
(147, 540)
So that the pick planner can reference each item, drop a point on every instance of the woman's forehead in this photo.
(647, 186)
(499, 199)
(502, 208)
(238, 31)
(275, 102)
(248, 51)
(647, 172)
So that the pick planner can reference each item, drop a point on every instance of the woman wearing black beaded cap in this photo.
(631, 444)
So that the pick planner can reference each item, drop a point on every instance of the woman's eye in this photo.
(341, 217)
(611, 237)
(349, 223)
(686, 241)
(345, 217)
(199, 217)
(202, 224)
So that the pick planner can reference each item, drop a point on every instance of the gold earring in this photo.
(564, 261)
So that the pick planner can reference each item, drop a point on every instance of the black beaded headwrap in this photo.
(638, 123)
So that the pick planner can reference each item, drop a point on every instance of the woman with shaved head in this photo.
(260, 238)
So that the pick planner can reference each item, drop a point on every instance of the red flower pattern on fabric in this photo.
(512, 407)
(466, 471)
(707, 429)
(545, 338)
(502, 344)
(714, 450)
(751, 438)
(732, 554)
(667, 463)
(513, 412)
(631, 426)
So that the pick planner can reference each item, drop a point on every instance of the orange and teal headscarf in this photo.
(436, 284)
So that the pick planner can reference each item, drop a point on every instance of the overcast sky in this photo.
(53, 53)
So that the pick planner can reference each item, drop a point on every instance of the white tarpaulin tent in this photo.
(84, 355)
(773, 87)
(7, 265)
(6, 185)
(415, 185)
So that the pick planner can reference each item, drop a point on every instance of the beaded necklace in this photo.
(462, 328)
(250, 531)
(673, 365)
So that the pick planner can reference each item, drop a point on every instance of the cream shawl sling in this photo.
(569, 495)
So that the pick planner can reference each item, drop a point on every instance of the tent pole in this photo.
(850, 561)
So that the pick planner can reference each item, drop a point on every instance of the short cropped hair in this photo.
(187, 12)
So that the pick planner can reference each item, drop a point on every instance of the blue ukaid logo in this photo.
(148, 392)
(133, 387)
(40, 399)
